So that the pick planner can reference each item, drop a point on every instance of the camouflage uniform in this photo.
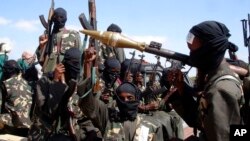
(115, 85)
(103, 87)
(107, 52)
(143, 127)
(82, 125)
(18, 100)
(62, 41)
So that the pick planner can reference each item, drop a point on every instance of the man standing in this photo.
(61, 40)
(107, 52)
(219, 91)
(52, 117)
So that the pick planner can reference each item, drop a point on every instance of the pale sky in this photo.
(165, 21)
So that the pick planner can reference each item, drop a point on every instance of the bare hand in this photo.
(90, 54)
(176, 79)
(43, 39)
(59, 72)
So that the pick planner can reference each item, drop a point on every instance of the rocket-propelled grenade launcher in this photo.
(118, 40)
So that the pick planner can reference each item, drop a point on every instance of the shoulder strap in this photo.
(230, 77)
(226, 77)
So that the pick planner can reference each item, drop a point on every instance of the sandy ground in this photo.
(8, 137)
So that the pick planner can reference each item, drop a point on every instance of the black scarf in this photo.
(59, 19)
(109, 75)
(71, 63)
(128, 109)
(10, 68)
(214, 37)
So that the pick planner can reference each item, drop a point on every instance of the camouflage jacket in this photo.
(17, 105)
(107, 52)
(62, 41)
(143, 128)
(103, 85)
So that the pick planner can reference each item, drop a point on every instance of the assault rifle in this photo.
(138, 75)
(128, 71)
(118, 40)
(153, 76)
(246, 23)
(48, 32)
(151, 87)
(140, 65)
(90, 67)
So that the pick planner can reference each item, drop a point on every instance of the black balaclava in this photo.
(128, 109)
(214, 39)
(59, 19)
(71, 63)
(109, 75)
(10, 68)
(114, 28)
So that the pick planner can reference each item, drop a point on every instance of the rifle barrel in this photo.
(168, 54)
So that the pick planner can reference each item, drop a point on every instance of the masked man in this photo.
(55, 46)
(54, 118)
(219, 92)
(107, 52)
(122, 124)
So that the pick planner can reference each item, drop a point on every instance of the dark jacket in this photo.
(218, 107)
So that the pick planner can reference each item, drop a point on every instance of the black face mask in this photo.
(110, 77)
(59, 18)
(214, 38)
(128, 109)
(205, 59)
(72, 69)
(10, 68)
